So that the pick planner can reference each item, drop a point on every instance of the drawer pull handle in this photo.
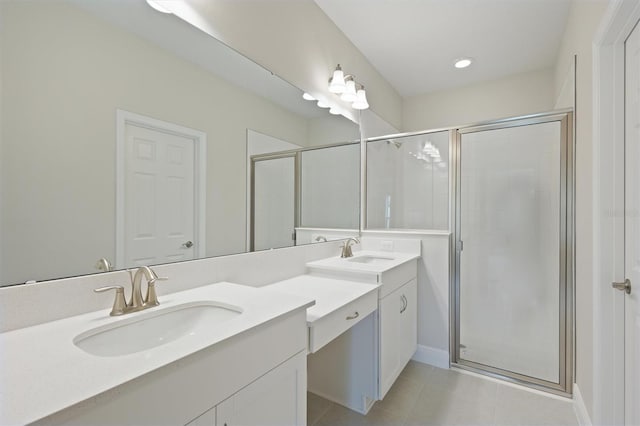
(354, 316)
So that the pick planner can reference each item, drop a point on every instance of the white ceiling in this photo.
(414, 43)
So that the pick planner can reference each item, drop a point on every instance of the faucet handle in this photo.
(119, 303)
(152, 296)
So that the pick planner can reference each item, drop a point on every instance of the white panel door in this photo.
(159, 197)
(632, 228)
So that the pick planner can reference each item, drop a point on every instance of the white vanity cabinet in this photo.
(374, 352)
(257, 377)
(398, 322)
(272, 400)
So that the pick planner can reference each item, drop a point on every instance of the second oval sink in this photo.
(154, 328)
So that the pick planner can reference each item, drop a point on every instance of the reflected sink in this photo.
(369, 259)
(154, 328)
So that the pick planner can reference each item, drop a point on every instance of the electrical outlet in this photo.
(387, 245)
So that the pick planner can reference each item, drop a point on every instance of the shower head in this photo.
(394, 143)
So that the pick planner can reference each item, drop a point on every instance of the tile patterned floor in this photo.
(425, 395)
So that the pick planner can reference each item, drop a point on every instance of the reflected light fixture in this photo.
(463, 63)
(334, 110)
(308, 97)
(323, 104)
(159, 6)
(349, 89)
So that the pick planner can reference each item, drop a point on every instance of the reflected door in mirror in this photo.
(159, 197)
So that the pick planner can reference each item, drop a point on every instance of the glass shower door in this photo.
(273, 213)
(511, 256)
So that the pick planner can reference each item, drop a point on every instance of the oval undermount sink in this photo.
(154, 328)
(370, 259)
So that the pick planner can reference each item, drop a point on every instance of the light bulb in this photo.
(308, 97)
(349, 94)
(361, 102)
(323, 104)
(334, 111)
(336, 83)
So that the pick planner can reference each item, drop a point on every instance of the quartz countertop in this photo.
(330, 294)
(388, 260)
(42, 371)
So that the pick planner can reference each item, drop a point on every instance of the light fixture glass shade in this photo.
(349, 94)
(337, 84)
(308, 97)
(323, 104)
(158, 5)
(334, 110)
(361, 102)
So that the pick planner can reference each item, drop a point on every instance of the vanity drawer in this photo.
(325, 329)
(395, 278)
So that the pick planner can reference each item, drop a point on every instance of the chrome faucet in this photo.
(136, 302)
(346, 247)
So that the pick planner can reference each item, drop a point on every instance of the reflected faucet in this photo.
(104, 265)
(321, 238)
(137, 302)
(346, 247)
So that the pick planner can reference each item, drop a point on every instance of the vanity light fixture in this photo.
(336, 82)
(308, 97)
(349, 89)
(334, 110)
(463, 62)
(323, 104)
(349, 94)
(159, 6)
(361, 101)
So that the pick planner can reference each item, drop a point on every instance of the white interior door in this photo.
(632, 227)
(159, 205)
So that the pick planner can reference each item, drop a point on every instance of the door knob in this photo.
(188, 244)
(623, 286)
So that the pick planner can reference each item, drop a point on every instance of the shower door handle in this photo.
(623, 286)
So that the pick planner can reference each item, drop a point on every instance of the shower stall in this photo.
(504, 192)
(513, 250)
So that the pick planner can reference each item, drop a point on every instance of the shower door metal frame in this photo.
(295, 155)
(566, 252)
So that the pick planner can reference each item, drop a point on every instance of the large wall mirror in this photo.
(127, 134)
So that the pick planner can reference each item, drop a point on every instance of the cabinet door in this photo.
(279, 398)
(398, 333)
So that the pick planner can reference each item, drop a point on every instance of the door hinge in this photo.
(459, 245)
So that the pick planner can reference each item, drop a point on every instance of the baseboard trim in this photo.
(581, 410)
(432, 356)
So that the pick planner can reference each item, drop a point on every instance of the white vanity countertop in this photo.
(330, 294)
(387, 260)
(42, 371)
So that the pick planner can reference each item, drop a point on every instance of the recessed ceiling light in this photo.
(463, 62)
(308, 97)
